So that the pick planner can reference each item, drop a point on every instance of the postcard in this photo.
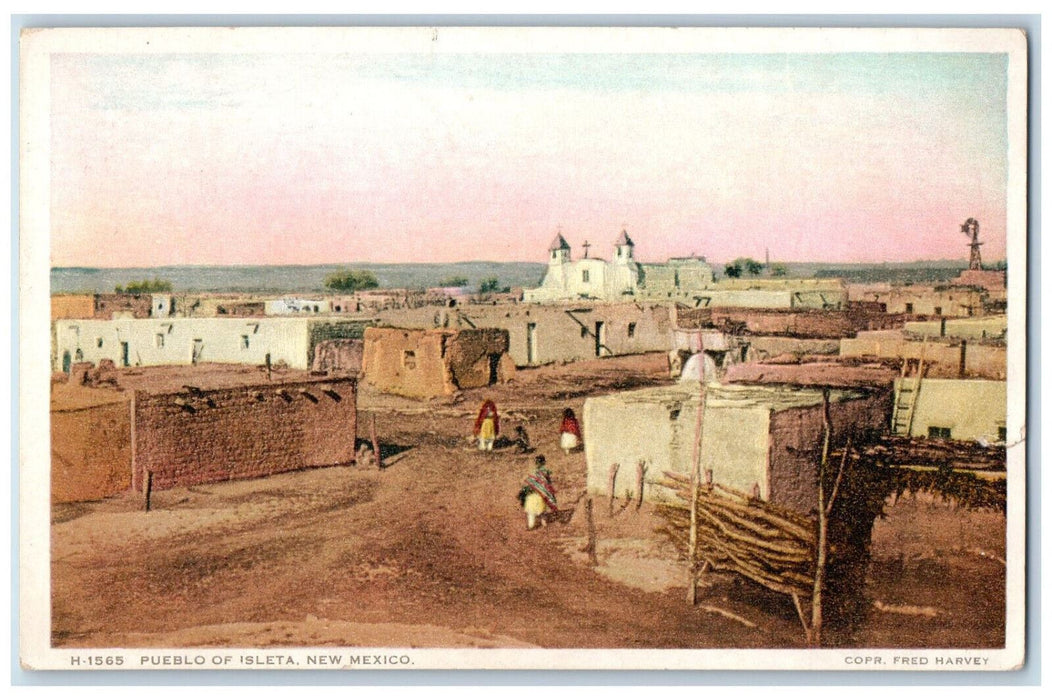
(522, 348)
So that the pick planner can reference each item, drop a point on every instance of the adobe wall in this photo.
(929, 301)
(243, 432)
(108, 306)
(655, 425)
(423, 363)
(973, 328)
(761, 348)
(971, 409)
(338, 357)
(468, 356)
(90, 452)
(72, 306)
(941, 358)
(562, 333)
(795, 444)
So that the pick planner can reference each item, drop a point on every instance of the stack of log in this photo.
(954, 454)
(772, 546)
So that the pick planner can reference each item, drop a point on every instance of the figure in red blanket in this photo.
(487, 425)
(570, 432)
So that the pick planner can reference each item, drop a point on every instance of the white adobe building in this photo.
(619, 279)
(142, 342)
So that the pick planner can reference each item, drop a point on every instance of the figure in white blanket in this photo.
(537, 496)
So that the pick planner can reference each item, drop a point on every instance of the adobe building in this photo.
(188, 341)
(943, 356)
(981, 328)
(110, 306)
(761, 440)
(289, 306)
(540, 334)
(825, 294)
(424, 363)
(952, 409)
(195, 425)
(921, 300)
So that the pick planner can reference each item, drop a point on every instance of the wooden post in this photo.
(814, 633)
(964, 359)
(147, 488)
(592, 545)
(695, 486)
(376, 442)
(640, 472)
(612, 485)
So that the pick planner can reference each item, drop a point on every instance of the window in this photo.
(584, 276)
(98, 342)
(938, 311)
(159, 340)
(909, 308)
(1002, 434)
(409, 359)
(937, 432)
(631, 330)
(244, 342)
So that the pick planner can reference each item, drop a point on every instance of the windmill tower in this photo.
(971, 228)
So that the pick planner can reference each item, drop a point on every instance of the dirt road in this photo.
(433, 551)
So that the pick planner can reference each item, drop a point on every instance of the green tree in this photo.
(779, 270)
(491, 285)
(454, 282)
(733, 269)
(144, 286)
(351, 280)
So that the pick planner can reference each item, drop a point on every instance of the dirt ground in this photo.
(433, 551)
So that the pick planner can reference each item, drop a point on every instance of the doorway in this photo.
(199, 347)
(600, 338)
(124, 353)
(494, 368)
(531, 343)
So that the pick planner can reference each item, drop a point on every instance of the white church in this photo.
(619, 279)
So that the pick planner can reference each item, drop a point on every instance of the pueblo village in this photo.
(628, 454)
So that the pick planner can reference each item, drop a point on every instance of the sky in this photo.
(270, 158)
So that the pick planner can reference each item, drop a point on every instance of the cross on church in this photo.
(586, 246)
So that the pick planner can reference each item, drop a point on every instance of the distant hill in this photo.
(282, 279)
(306, 279)
(916, 272)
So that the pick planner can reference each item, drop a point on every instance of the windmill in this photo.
(971, 228)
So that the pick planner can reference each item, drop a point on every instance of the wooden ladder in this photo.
(906, 396)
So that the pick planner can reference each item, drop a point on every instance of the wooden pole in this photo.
(641, 469)
(814, 634)
(592, 545)
(612, 485)
(963, 364)
(146, 490)
(695, 485)
(376, 442)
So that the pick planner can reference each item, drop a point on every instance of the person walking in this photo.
(537, 496)
(570, 432)
(487, 426)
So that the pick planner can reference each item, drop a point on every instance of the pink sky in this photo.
(178, 159)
